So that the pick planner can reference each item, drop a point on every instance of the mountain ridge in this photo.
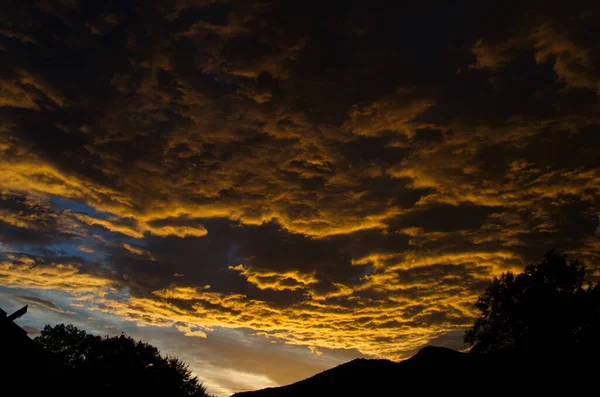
(440, 370)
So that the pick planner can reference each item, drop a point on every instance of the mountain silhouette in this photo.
(439, 370)
(538, 333)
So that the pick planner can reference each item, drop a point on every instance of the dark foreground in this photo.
(440, 371)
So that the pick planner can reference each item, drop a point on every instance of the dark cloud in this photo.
(447, 218)
(29, 220)
(323, 175)
(15, 235)
(429, 135)
(269, 248)
(213, 14)
(364, 150)
(43, 303)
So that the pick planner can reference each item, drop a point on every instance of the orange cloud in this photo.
(25, 272)
(291, 280)
(138, 251)
(395, 114)
(572, 63)
(85, 248)
(334, 159)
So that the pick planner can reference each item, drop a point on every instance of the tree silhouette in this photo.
(118, 366)
(550, 307)
(69, 344)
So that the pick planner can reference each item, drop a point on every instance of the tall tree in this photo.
(550, 307)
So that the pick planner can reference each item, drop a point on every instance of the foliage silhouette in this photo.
(118, 366)
(549, 308)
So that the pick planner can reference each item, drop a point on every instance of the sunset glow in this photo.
(270, 189)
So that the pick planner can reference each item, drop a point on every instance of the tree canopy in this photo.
(119, 365)
(550, 307)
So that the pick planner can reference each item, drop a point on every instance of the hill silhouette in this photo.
(362, 376)
(539, 332)
(443, 371)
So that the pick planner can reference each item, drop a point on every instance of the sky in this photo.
(268, 189)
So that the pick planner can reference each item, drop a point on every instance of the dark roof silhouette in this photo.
(24, 365)
(12, 337)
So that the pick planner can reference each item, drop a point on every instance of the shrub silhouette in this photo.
(117, 366)
(550, 307)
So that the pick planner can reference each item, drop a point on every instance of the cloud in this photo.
(138, 251)
(25, 272)
(124, 226)
(188, 330)
(490, 56)
(447, 218)
(195, 310)
(28, 219)
(43, 303)
(573, 63)
(27, 92)
(85, 248)
(275, 280)
(132, 228)
(394, 114)
(322, 177)
(314, 350)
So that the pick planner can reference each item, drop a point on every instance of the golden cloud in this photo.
(393, 114)
(133, 228)
(291, 280)
(138, 251)
(161, 158)
(25, 272)
(355, 321)
(85, 248)
(27, 92)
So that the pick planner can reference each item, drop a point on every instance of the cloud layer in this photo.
(328, 177)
